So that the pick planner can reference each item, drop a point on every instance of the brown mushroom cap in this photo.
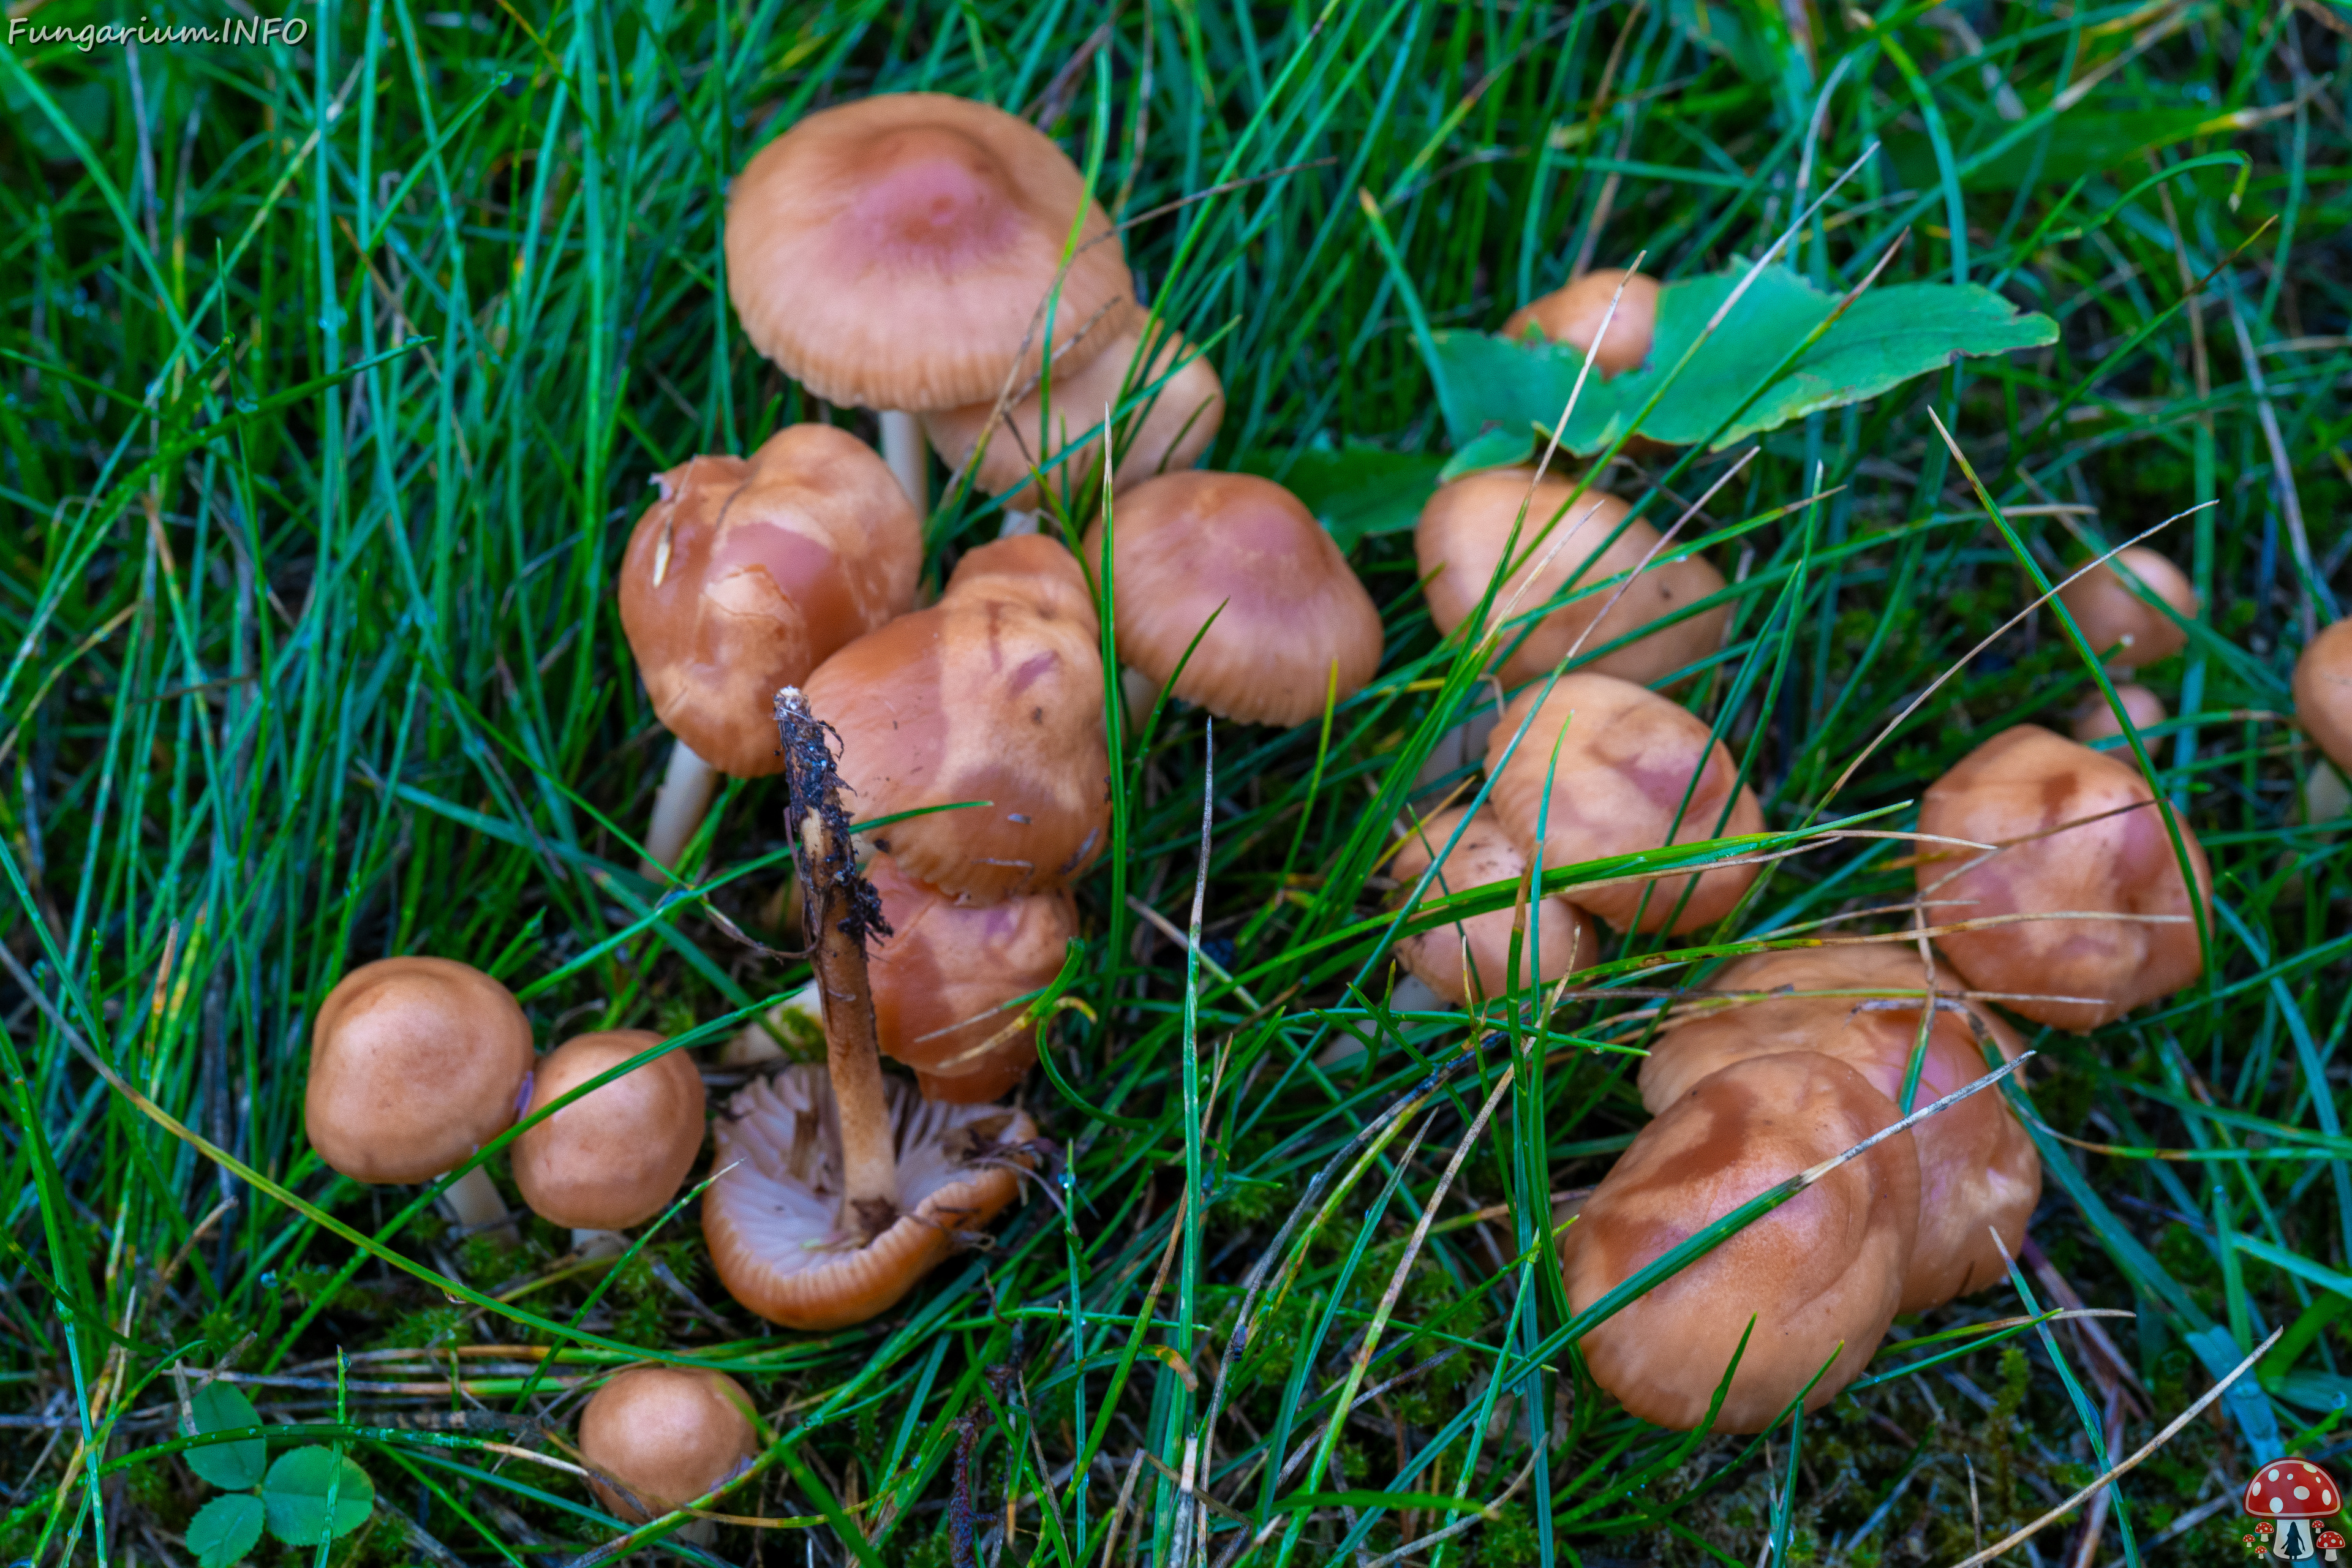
(1620, 775)
(2110, 611)
(669, 1434)
(1565, 942)
(993, 694)
(747, 573)
(894, 252)
(1824, 1268)
(2025, 787)
(2323, 692)
(415, 1064)
(1166, 437)
(2094, 720)
(770, 1220)
(1032, 569)
(942, 980)
(1185, 544)
(1978, 1169)
(613, 1157)
(1573, 314)
(1459, 547)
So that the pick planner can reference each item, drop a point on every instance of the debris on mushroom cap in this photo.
(1618, 778)
(750, 572)
(415, 1064)
(2292, 1488)
(895, 253)
(1822, 1274)
(2082, 836)
(993, 694)
(1288, 611)
(2110, 611)
(1978, 1172)
(771, 1219)
(1560, 939)
(2095, 720)
(2323, 692)
(1573, 314)
(1166, 437)
(667, 1435)
(1459, 545)
(1029, 568)
(618, 1154)
(942, 979)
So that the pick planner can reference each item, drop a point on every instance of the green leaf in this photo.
(295, 1495)
(231, 1466)
(1499, 448)
(225, 1529)
(1356, 491)
(1891, 335)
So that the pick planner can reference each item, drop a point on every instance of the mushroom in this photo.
(1978, 1173)
(416, 1063)
(1573, 314)
(838, 1189)
(2095, 720)
(1822, 1275)
(1471, 957)
(659, 1438)
(2323, 692)
(1165, 433)
(1619, 777)
(1293, 627)
(2330, 1543)
(993, 694)
(1563, 546)
(2081, 843)
(2117, 615)
(742, 576)
(895, 253)
(2292, 1493)
(618, 1154)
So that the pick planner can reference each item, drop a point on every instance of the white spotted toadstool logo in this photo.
(2292, 1496)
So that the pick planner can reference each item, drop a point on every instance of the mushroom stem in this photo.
(588, 1242)
(678, 808)
(842, 907)
(473, 1199)
(904, 449)
(1017, 521)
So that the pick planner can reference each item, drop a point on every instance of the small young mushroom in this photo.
(1293, 625)
(1619, 777)
(2093, 719)
(658, 1437)
(1470, 958)
(618, 1154)
(1573, 314)
(894, 253)
(415, 1064)
(742, 576)
(2118, 620)
(2081, 852)
(1822, 1275)
(1978, 1172)
(2323, 692)
(993, 694)
(1562, 545)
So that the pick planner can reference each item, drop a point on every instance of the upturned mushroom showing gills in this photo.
(2081, 852)
(1563, 544)
(2094, 717)
(415, 1064)
(1470, 958)
(1822, 1275)
(1620, 772)
(658, 1437)
(1573, 314)
(1978, 1173)
(2118, 622)
(742, 576)
(618, 1154)
(1294, 627)
(840, 1189)
(993, 694)
(897, 253)
(2323, 692)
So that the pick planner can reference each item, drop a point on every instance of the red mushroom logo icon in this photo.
(2291, 1494)
(2331, 1541)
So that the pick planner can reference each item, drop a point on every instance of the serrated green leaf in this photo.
(1357, 491)
(225, 1528)
(1498, 448)
(231, 1466)
(295, 1495)
(1891, 335)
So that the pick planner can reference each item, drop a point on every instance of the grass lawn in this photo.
(335, 374)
